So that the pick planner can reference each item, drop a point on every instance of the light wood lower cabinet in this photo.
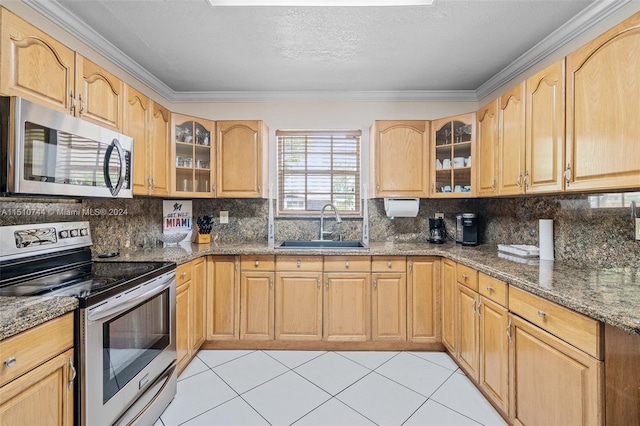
(449, 306)
(257, 298)
(298, 306)
(198, 303)
(190, 310)
(423, 300)
(223, 298)
(468, 331)
(38, 388)
(347, 307)
(183, 319)
(389, 307)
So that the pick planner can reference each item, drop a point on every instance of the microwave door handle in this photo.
(123, 167)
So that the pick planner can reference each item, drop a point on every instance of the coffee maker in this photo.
(467, 229)
(437, 231)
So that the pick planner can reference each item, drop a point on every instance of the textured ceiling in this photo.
(452, 45)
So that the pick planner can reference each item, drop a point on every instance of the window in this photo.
(316, 168)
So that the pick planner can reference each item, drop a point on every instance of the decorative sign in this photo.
(177, 217)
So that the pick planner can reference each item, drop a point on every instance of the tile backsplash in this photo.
(583, 235)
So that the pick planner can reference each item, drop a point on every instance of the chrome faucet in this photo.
(338, 219)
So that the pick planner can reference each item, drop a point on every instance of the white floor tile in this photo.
(196, 366)
(459, 394)
(381, 400)
(332, 372)
(196, 395)
(441, 358)
(415, 373)
(285, 399)
(215, 358)
(371, 360)
(434, 414)
(293, 359)
(334, 413)
(249, 371)
(232, 413)
(158, 423)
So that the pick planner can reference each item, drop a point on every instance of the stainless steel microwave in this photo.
(47, 152)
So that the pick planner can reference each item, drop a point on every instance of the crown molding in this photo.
(585, 20)
(576, 26)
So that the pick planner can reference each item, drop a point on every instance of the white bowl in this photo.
(172, 239)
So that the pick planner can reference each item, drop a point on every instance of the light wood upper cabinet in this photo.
(100, 95)
(544, 130)
(423, 299)
(486, 150)
(242, 159)
(136, 125)
(35, 66)
(193, 157)
(511, 142)
(223, 298)
(453, 145)
(603, 100)
(157, 167)
(400, 159)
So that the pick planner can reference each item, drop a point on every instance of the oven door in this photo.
(128, 348)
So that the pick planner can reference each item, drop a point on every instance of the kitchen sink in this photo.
(322, 244)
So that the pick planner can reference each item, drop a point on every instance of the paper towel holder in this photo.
(401, 207)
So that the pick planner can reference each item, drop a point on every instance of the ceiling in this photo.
(454, 49)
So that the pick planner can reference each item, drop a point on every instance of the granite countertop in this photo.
(608, 295)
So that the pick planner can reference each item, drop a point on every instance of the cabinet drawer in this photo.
(580, 331)
(299, 263)
(467, 276)
(35, 346)
(493, 289)
(257, 263)
(183, 274)
(389, 264)
(347, 264)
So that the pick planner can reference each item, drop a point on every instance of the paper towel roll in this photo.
(401, 207)
(545, 239)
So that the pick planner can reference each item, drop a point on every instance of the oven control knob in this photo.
(84, 232)
(64, 234)
(74, 232)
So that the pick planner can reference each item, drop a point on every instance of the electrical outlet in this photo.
(439, 215)
(224, 216)
(638, 228)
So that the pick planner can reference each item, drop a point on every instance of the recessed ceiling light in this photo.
(302, 3)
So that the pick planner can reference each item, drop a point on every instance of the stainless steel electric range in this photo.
(125, 326)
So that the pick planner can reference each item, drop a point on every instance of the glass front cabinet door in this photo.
(193, 156)
(453, 144)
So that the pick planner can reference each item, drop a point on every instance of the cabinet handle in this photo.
(236, 263)
(10, 362)
(489, 288)
(519, 180)
(478, 311)
(509, 330)
(81, 106)
(541, 314)
(410, 267)
(473, 307)
(567, 175)
(326, 283)
(493, 184)
(72, 108)
(433, 188)
(73, 375)
(259, 188)
(346, 264)
(375, 284)
(182, 275)
(257, 263)
(377, 187)
(389, 264)
(318, 281)
(153, 183)
(213, 189)
(270, 282)
(526, 180)
(298, 263)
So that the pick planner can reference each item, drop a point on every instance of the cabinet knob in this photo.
(346, 264)
(257, 263)
(298, 263)
(389, 264)
(489, 288)
(182, 275)
(10, 362)
(541, 314)
(464, 277)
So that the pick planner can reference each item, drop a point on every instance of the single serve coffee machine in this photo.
(467, 229)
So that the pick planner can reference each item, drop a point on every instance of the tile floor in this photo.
(326, 388)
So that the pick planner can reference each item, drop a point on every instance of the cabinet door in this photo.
(544, 127)
(347, 307)
(298, 306)
(223, 295)
(468, 331)
(100, 95)
(198, 303)
(511, 142)
(256, 306)
(389, 307)
(452, 147)
(183, 324)
(193, 157)
(35, 66)
(242, 159)
(136, 112)
(494, 352)
(603, 100)
(400, 154)
(43, 396)
(553, 382)
(486, 149)
(158, 157)
(423, 300)
(449, 306)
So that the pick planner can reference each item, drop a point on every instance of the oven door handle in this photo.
(107, 309)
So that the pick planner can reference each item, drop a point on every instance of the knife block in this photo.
(201, 238)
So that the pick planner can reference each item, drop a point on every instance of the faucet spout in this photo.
(338, 219)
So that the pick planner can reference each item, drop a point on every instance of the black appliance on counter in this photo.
(467, 229)
(125, 326)
(437, 231)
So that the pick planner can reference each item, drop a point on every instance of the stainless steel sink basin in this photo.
(318, 244)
